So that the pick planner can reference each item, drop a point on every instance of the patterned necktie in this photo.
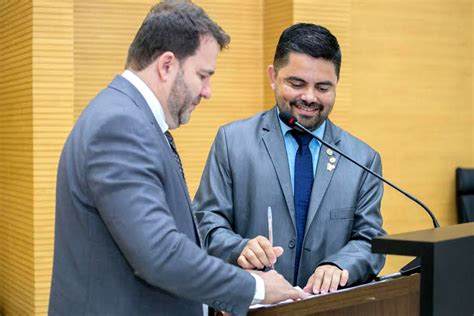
(302, 191)
(170, 139)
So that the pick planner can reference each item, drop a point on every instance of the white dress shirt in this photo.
(149, 97)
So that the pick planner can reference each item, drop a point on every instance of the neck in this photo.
(152, 80)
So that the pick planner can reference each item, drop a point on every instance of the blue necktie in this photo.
(303, 186)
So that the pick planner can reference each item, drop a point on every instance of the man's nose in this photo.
(309, 96)
(206, 91)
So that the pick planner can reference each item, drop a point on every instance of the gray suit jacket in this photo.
(126, 241)
(247, 171)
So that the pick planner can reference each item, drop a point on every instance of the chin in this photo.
(311, 124)
(184, 119)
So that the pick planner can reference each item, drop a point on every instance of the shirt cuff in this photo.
(259, 295)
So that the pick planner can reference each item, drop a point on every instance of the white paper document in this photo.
(312, 295)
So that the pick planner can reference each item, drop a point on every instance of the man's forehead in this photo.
(303, 65)
(207, 39)
(205, 58)
(301, 59)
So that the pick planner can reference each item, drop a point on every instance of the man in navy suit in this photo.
(126, 241)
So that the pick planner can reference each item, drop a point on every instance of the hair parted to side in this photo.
(310, 39)
(172, 25)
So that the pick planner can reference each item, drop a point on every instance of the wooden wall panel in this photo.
(406, 89)
(101, 40)
(53, 91)
(103, 30)
(412, 100)
(335, 16)
(16, 159)
(277, 16)
(236, 87)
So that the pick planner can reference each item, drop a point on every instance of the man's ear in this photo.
(166, 65)
(271, 72)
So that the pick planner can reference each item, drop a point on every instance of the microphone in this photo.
(414, 265)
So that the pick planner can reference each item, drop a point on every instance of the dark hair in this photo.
(309, 39)
(175, 26)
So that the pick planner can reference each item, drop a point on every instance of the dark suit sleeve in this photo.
(126, 180)
(356, 255)
(213, 205)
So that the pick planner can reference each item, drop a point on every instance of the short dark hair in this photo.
(310, 39)
(175, 26)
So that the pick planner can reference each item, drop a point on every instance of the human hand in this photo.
(326, 278)
(258, 253)
(278, 289)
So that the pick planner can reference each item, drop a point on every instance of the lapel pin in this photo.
(329, 152)
(330, 166)
(332, 159)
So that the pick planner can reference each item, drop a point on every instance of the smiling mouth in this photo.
(307, 108)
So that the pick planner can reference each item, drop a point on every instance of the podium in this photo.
(447, 266)
(388, 298)
(445, 285)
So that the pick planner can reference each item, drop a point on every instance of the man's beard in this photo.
(180, 100)
(310, 122)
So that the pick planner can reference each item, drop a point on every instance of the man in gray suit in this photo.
(325, 209)
(126, 242)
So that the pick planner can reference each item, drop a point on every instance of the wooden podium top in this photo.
(415, 243)
(392, 297)
(446, 266)
(436, 235)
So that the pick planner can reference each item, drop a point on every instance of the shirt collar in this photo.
(319, 132)
(149, 97)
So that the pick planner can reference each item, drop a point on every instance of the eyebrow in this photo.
(325, 83)
(292, 78)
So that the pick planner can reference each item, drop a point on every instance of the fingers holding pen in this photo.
(259, 253)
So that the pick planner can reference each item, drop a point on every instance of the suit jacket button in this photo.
(291, 244)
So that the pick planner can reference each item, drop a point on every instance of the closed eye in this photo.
(203, 74)
(296, 82)
(323, 88)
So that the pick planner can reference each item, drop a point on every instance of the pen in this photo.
(270, 228)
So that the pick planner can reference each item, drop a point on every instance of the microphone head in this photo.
(288, 119)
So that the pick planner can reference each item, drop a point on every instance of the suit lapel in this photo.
(123, 85)
(324, 172)
(275, 146)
